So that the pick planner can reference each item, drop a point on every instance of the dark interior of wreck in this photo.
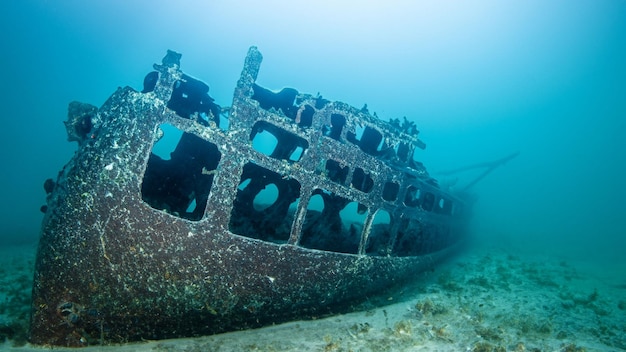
(266, 202)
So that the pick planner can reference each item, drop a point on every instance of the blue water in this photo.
(481, 79)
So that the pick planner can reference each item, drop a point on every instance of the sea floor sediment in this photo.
(484, 299)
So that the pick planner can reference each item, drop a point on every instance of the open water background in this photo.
(481, 79)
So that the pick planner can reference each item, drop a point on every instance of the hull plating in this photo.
(139, 246)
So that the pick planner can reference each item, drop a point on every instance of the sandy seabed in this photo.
(480, 300)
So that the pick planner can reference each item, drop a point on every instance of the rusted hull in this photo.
(113, 267)
(165, 285)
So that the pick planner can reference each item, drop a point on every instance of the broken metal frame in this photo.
(114, 267)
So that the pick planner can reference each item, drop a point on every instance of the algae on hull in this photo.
(136, 246)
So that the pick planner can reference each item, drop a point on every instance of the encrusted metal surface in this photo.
(120, 259)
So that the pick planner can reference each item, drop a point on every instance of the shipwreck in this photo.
(177, 217)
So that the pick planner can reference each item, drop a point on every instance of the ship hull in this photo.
(120, 261)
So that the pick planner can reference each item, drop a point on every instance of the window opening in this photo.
(304, 116)
(412, 197)
(379, 238)
(335, 172)
(402, 152)
(336, 126)
(368, 139)
(337, 227)
(428, 202)
(390, 191)
(180, 185)
(444, 206)
(265, 205)
(361, 180)
(277, 143)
